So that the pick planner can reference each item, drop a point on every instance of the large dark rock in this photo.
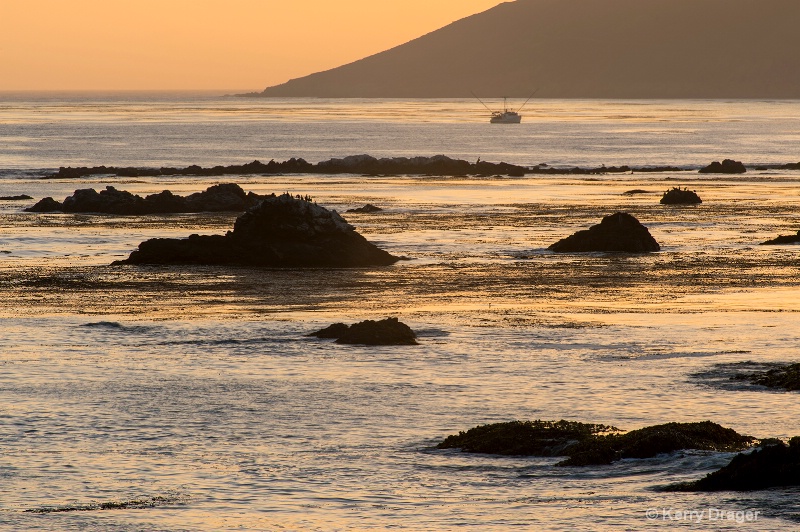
(774, 465)
(618, 232)
(281, 231)
(524, 438)
(783, 239)
(217, 198)
(585, 444)
(385, 332)
(728, 166)
(680, 196)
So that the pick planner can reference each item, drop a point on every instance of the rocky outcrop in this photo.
(680, 196)
(728, 166)
(783, 239)
(618, 232)
(592, 444)
(217, 198)
(281, 231)
(774, 465)
(385, 332)
(368, 209)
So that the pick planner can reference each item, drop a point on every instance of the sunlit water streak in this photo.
(197, 388)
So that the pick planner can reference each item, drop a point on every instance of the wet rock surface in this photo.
(680, 196)
(774, 465)
(619, 232)
(281, 231)
(217, 198)
(390, 331)
(728, 166)
(593, 444)
(783, 240)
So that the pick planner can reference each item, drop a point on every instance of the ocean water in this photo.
(191, 399)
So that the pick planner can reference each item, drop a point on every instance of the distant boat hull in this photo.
(508, 117)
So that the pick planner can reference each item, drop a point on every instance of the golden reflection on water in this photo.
(198, 382)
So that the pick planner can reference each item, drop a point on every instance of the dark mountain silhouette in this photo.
(586, 48)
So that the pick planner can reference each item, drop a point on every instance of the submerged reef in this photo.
(784, 377)
(594, 444)
(390, 331)
(217, 198)
(783, 239)
(680, 196)
(728, 166)
(774, 465)
(281, 231)
(619, 232)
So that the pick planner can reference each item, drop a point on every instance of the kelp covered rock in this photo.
(524, 438)
(390, 331)
(591, 444)
(281, 231)
(619, 232)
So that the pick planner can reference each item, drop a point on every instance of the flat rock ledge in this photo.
(594, 444)
(783, 240)
(619, 232)
(390, 331)
(680, 196)
(217, 198)
(281, 231)
(775, 465)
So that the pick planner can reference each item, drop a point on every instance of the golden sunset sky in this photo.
(202, 44)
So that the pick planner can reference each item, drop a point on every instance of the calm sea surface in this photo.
(193, 393)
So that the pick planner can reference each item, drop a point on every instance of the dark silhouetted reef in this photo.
(619, 232)
(18, 197)
(594, 444)
(680, 196)
(772, 466)
(390, 331)
(281, 231)
(728, 166)
(585, 49)
(783, 239)
(217, 198)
